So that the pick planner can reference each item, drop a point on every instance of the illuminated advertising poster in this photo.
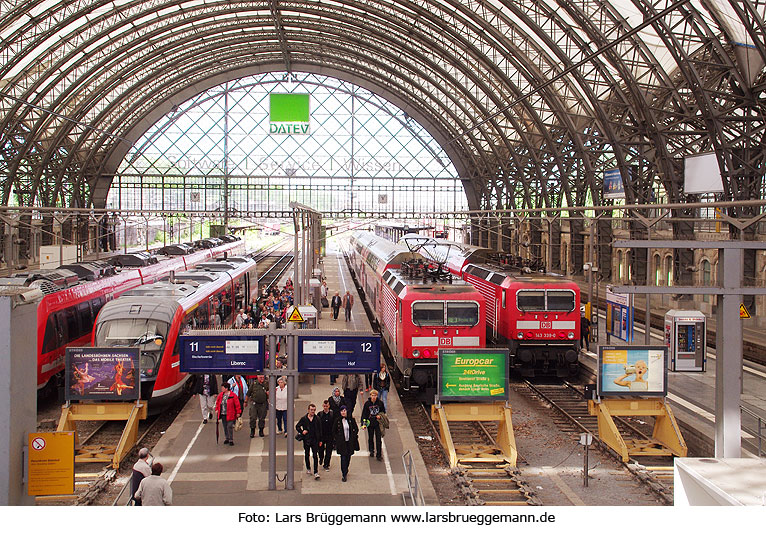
(473, 375)
(613, 184)
(102, 374)
(632, 371)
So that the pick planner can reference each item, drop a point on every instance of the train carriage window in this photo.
(503, 297)
(86, 318)
(561, 301)
(96, 304)
(398, 287)
(72, 324)
(239, 294)
(462, 313)
(428, 313)
(530, 300)
(51, 336)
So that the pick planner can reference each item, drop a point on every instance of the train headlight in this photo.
(415, 353)
(570, 335)
(520, 335)
(426, 353)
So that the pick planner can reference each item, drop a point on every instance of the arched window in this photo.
(706, 278)
(669, 269)
(657, 269)
(619, 266)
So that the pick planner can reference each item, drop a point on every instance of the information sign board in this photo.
(102, 373)
(338, 354)
(619, 315)
(632, 371)
(51, 463)
(219, 354)
(473, 374)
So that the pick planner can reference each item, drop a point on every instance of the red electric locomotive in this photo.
(536, 314)
(74, 295)
(152, 317)
(419, 309)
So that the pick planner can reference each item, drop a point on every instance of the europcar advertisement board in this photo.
(102, 374)
(473, 374)
(632, 371)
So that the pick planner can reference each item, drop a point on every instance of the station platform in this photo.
(692, 397)
(202, 472)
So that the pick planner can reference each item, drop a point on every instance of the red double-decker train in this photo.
(151, 317)
(74, 294)
(418, 308)
(536, 314)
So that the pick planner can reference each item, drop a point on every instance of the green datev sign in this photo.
(473, 374)
(289, 114)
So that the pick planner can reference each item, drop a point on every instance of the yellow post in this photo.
(505, 450)
(131, 413)
(666, 439)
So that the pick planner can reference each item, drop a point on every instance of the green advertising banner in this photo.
(473, 374)
(289, 114)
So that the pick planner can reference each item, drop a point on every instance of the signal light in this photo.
(528, 334)
(570, 335)
(562, 334)
(520, 335)
(415, 353)
(427, 353)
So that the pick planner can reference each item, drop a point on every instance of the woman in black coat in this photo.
(346, 439)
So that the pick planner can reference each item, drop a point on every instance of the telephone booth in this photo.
(685, 337)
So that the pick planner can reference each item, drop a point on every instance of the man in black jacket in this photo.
(335, 305)
(371, 419)
(326, 419)
(311, 430)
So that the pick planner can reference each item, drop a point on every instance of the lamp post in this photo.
(587, 267)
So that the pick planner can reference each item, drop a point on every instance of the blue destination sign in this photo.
(338, 355)
(219, 354)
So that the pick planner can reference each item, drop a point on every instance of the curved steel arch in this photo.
(452, 63)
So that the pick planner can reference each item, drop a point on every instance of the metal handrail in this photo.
(761, 425)
(413, 483)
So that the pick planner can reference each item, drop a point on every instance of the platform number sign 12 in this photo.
(366, 347)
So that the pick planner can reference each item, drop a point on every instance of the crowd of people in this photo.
(269, 307)
(333, 428)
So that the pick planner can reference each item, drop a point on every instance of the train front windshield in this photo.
(147, 334)
(432, 313)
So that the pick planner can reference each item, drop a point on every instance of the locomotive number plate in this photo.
(546, 325)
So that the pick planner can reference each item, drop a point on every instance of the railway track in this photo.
(570, 414)
(487, 480)
(271, 267)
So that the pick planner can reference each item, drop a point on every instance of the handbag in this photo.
(238, 424)
(299, 437)
(325, 303)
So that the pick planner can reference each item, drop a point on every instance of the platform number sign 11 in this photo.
(194, 346)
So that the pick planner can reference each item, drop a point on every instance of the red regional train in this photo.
(153, 316)
(536, 314)
(74, 295)
(418, 311)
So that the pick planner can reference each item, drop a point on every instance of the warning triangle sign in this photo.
(296, 316)
(743, 312)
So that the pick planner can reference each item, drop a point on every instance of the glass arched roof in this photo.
(531, 101)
